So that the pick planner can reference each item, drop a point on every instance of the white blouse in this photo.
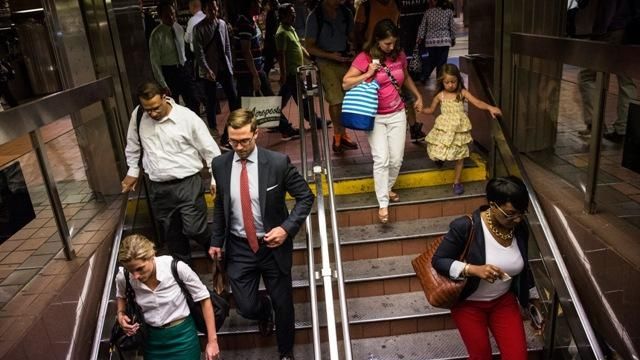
(508, 259)
(165, 303)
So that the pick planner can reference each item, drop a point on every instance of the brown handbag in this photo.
(441, 291)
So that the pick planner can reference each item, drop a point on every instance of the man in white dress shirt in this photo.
(195, 8)
(173, 142)
(167, 56)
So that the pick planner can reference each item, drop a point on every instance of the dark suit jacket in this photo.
(453, 245)
(202, 37)
(275, 172)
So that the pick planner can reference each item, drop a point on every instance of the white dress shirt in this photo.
(173, 147)
(193, 21)
(236, 225)
(165, 303)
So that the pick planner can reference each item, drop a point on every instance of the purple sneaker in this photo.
(458, 189)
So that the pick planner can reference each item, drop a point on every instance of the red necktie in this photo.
(247, 213)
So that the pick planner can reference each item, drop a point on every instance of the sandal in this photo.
(383, 215)
(393, 197)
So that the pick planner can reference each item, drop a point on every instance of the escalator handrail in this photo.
(108, 284)
(544, 224)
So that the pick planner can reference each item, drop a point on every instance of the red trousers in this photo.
(502, 317)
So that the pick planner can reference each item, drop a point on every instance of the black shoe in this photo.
(416, 132)
(614, 137)
(265, 326)
(290, 134)
(439, 163)
(288, 356)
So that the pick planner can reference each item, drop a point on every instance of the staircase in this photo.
(388, 314)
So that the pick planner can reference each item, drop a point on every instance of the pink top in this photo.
(389, 100)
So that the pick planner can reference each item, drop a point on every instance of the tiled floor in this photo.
(33, 270)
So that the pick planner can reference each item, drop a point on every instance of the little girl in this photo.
(451, 133)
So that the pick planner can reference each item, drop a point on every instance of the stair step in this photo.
(359, 242)
(425, 194)
(435, 345)
(361, 310)
(357, 178)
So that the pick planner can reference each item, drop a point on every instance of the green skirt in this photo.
(177, 342)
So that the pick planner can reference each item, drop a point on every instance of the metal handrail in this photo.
(31, 116)
(550, 238)
(322, 170)
(108, 283)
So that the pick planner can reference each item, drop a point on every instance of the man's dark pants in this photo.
(178, 81)
(180, 211)
(210, 90)
(244, 269)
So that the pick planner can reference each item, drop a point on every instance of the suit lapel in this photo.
(228, 162)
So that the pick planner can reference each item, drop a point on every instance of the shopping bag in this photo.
(360, 106)
(267, 109)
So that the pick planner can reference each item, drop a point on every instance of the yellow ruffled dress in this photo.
(451, 134)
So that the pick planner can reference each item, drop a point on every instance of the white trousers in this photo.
(387, 149)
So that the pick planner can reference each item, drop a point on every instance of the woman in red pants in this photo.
(497, 271)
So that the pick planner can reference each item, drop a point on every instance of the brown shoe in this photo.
(347, 143)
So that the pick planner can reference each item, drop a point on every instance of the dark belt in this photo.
(175, 181)
(260, 239)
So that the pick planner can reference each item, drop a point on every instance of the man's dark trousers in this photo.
(180, 211)
(178, 81)
(244, 280)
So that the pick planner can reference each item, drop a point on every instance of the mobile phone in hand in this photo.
(376, 61)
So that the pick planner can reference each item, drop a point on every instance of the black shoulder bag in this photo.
(220, 304)
(119, 341)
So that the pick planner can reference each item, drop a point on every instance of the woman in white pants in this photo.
(384, 61)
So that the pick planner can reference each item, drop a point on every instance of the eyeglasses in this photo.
(243, 142)
(511, 216)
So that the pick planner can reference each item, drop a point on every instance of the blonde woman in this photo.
(171, 331)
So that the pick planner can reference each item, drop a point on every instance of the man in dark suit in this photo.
(252, 222)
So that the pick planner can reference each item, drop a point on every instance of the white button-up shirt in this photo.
(236, 225)
(174, 146)
(193, 21)
(165, 303)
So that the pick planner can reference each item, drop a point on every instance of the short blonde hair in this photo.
(136, 247)
(242, 117)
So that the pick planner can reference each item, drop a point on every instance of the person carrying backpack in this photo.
(328, 38)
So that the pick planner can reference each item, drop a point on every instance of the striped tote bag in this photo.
(360, 106)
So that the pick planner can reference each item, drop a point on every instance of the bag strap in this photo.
(393, 81)
(470, 238)
(176, 276)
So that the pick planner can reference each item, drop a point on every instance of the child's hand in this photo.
(494, 111)
(418, 106)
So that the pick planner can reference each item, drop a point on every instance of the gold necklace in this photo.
(502, 237)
